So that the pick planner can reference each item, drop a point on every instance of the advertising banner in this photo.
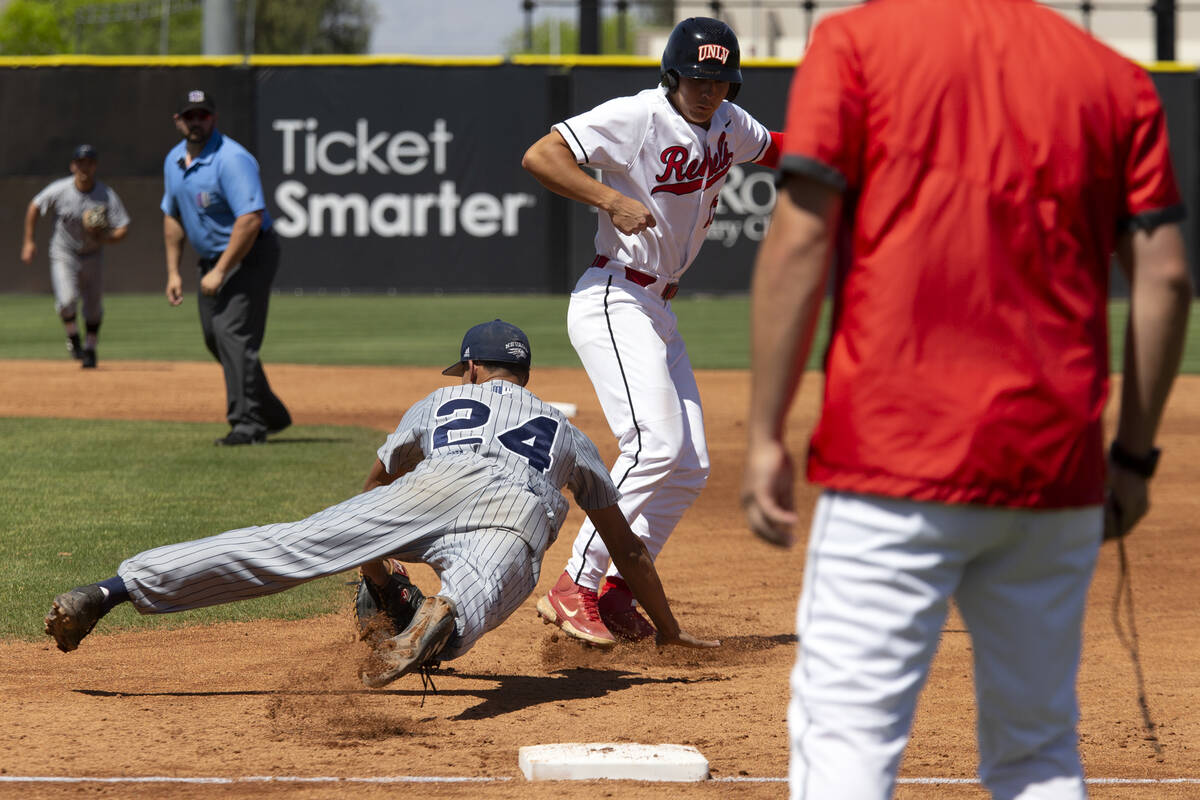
(404, 178)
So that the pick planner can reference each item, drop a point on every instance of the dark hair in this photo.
(516, 370)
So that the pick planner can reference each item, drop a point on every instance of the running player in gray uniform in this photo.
(468, 483)
(75, 249)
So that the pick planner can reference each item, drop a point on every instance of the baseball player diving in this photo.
(469, 483)
(662, 155)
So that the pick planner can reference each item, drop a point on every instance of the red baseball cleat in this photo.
(573, 608)
(619, 614)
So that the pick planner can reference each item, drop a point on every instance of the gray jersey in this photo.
(70, 239)
(480, 506)
(524, 442)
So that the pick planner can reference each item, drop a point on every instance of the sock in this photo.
(89, 340)
(114, 592)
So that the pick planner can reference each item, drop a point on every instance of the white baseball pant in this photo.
(877, 584)
(629, 343)
(78, 280)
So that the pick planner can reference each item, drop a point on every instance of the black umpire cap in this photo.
(84, 151)
(492, 341)
(196, 99)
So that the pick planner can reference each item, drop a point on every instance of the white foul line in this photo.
(500, 779)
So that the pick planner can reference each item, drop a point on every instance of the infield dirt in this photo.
(282, 698)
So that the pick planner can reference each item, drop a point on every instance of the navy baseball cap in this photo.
(492, 341)
(196, 99)
(84, 151)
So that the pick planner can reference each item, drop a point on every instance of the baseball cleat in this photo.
(234, 438)
(619, 614)
(75, 347)
(88, 359)
(420, 643)
(73, 615)
(573, 608)
(398, 602)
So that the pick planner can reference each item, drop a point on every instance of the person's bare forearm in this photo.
(786, 295)
(1160, 300)
(116, 234)
(636, 567)
(31, 215)
(378, 476)
(552, 163)
(241, 239)
(173, 238)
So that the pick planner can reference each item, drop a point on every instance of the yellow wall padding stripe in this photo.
(121, 61)
(254, 61)
(566, 61)
(366, 61)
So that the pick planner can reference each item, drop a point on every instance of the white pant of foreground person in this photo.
(877, 584)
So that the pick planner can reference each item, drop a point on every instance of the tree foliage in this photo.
(560, 36)
(312, 26)
(136, 27)
(29, 27)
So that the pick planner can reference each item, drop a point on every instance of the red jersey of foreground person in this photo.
(988, 167)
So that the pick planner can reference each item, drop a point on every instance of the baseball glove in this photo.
(392, 606)
(95, 218)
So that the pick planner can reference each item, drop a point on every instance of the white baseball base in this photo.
(569, 410)
(612, 761)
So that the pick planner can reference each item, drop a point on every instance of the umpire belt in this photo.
(643, 279)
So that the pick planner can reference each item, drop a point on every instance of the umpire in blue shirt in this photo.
(213, 196)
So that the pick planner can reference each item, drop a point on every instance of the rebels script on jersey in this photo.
(518, 450)
(646, 150)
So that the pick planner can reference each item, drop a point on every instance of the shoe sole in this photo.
(67, 624)
(402, 664)
(550, 617)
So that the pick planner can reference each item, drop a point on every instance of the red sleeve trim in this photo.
(770, 158)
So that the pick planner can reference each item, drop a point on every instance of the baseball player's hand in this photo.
(1127, 501)
(767, 493)
(28, 251)
(174, 290)
(210, 284)
(684, 639)
(630, 217)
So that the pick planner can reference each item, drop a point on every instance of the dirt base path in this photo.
(280, 699)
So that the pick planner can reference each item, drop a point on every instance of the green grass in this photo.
(78, 497)
(416, 330)
(420, 330)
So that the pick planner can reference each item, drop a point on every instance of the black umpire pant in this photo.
(234, 322)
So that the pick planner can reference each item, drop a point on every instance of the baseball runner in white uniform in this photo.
(76, 246)
(663, 155)
(468, 483)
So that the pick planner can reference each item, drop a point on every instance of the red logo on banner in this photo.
(713, 51)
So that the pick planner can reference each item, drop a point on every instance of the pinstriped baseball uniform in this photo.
(481, 504)
(76, 262)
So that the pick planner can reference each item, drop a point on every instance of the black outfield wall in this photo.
(400, 176)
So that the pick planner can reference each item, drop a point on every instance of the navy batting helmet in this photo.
(702, 47)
